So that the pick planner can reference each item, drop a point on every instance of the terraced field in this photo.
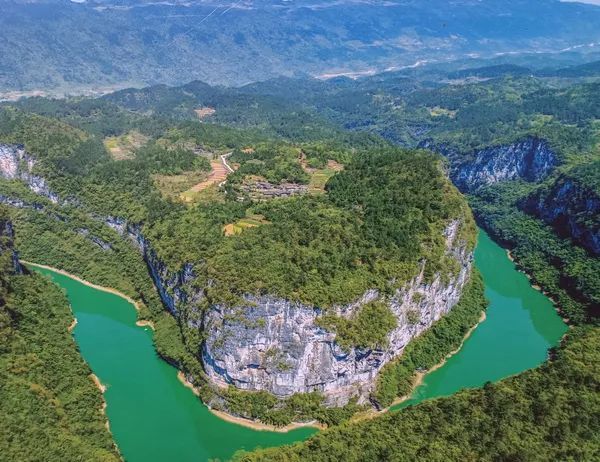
(220, 169)
(251, 221)
(319, 177)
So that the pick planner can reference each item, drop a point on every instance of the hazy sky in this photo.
(593, 2)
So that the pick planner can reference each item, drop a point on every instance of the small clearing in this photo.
(320, 176)
(212, 194)
(172, 186)
(251, 221)
(123, 147)
(438, 111)
(204, 112)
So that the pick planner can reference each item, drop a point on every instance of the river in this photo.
(153, 417)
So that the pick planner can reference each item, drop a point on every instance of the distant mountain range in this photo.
(64, 45)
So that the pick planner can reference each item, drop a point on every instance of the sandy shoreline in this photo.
(102, 389)
(254, 425)
(83, 281)
(145, 323)
(97, 382)
(72, 325)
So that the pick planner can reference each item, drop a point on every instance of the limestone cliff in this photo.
(171, 285)
(16, 164)
(7, 248)
(530, 159)
(572, 208)
(276, 345)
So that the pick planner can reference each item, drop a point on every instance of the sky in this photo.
(593, 2)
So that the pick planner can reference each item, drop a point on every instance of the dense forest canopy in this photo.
(372, 213)
(49, 406)
(379, 217)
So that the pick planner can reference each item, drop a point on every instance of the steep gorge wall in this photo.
(171, 285)
(276, 345)
(530, 159)
(16, 164)
(572, 209)
(7, 236)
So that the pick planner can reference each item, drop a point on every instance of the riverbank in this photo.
(420, 376)
(254, 425)
(140, 323)
(98, 383)
(146, 323)
(100, 386)
(539, 289)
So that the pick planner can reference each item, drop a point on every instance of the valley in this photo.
(191, 431)
(308, 251)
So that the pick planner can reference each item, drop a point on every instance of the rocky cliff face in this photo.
(7, 247)
(273, 344)
(276, 345)
(530, 159)
(171, 285)
(572, 209)
(16, 164)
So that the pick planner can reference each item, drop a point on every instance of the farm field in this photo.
(123, 147)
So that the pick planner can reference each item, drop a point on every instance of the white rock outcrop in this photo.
(16, 164)
(276, 345)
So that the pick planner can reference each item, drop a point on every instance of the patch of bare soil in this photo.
(204, 112)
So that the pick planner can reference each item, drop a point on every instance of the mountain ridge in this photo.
(60, 44)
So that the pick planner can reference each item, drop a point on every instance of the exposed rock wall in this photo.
(7, 237)
(530, 159)
(15, 164)
(572, 209)
(171, 285)
(276, 345)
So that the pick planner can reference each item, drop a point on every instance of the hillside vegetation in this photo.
(64, 46)
(374, 219)
(49, 407)
(550, 413)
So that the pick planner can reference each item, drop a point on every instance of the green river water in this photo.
(154, 418)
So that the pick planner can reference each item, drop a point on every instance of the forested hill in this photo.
(301, 220)
(49, 406)
(65, 46)
(478, 125)
(515, 142)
